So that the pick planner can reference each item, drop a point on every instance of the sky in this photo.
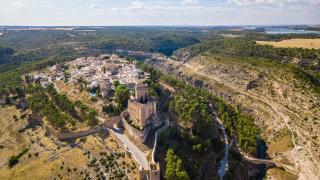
(158, 12)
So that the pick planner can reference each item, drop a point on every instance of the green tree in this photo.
(116, 83)
(19, 91)
(8, 100)
(110, 109)
(91, 118)
(13, 160)
(121, 96)
(174, 167)
(197, 148)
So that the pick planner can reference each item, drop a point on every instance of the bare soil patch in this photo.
(294, 43)
(281, 144)
(280, 175)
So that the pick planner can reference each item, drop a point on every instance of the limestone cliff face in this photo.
(181, 55)
(287, 114)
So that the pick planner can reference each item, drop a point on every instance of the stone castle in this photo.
(142, 107)
(142, 111)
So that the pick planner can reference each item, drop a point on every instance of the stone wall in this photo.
(64, 136)
(74, 135)
(136, 133)
(153, 173)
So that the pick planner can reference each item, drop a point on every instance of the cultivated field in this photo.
(294, 43)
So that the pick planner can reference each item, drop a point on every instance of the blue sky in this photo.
(159, 12)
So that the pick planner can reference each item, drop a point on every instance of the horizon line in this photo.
(159, 25)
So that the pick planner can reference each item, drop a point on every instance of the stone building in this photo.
(142, 107)
(110, 68)
(105, 87)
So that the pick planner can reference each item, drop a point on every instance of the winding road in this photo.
(137, 154)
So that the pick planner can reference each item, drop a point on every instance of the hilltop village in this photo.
(93, 84)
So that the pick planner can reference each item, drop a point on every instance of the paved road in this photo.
(137, 154)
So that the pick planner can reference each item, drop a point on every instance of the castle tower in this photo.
(141, 108)
(141, 93)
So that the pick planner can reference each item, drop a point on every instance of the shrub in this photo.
(13, 160)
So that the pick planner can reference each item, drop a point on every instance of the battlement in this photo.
(141, 93)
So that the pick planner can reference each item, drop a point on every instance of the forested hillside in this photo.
(5, 54)
(307, 69)
(279, 87)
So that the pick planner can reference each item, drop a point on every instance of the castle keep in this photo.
(142, 107)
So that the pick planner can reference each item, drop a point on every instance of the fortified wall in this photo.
(140, 135)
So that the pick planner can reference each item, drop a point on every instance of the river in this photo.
(278, 30)
(223, 164)
(262, 154)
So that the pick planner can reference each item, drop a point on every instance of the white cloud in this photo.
(17, 4)
(93, 6)
(189, 7)
(190, 2)
(274, 2)
(28, 4)
(159, 12)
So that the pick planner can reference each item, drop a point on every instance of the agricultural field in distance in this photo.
(294, 43)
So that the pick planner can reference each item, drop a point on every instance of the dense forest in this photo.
(5, 54)
(11, 73)
(247, 48)
(237, 123)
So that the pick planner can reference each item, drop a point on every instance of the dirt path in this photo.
(270, 163)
